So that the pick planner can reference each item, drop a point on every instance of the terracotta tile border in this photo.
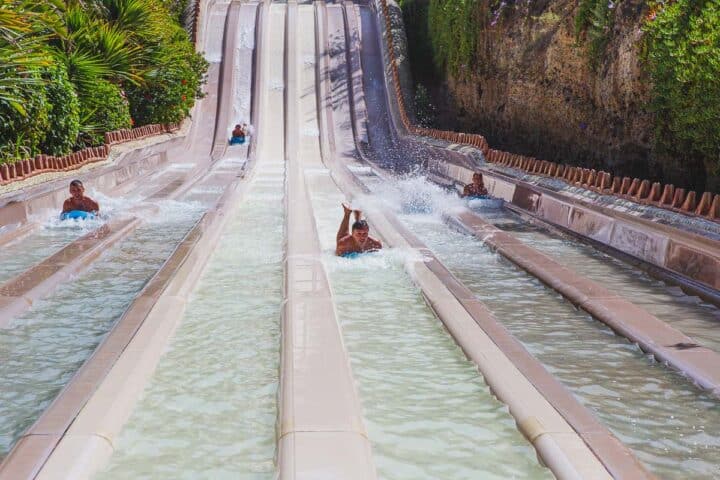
(23, 169)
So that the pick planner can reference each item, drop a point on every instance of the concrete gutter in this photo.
(652, 334)
(321, 431)
(566, 435)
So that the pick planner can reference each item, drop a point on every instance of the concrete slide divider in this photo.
(568, 438)
(321, 427)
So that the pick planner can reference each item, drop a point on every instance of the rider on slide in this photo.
(78, 202)
(476, 188)
(238, 135)
(358, 240)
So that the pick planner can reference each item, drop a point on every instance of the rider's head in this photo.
(360, 231)
(477, 178)
(77, 189)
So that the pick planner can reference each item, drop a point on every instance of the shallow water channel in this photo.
(428, 413)
(672, 426)
(44, 347)
(690, 315)
(210, 408)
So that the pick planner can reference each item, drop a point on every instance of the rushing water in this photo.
(673, 427)
(53, 234)
(44, 347)
(210, 408)
(428, 412)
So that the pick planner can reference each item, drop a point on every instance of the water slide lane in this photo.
(670, 424)
(395, 456)
(320, 424)
(632, 321)
(688, 314)
(226, 349)
(428, 412)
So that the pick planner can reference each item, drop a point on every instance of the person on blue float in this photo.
(476, 188)
(78, 202)
(356, 240)
(238, 135)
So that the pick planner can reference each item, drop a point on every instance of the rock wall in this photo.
(534, 92)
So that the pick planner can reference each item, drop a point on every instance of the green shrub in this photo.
(64, 112)
(453, 28)
(103, 108)
(22, 132)
(415, 17)
(170, 92)
(596, 19)
(683, 55)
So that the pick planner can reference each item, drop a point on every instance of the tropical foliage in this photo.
(453, 29)
(683, 53)
(594, 20)
(70, 70)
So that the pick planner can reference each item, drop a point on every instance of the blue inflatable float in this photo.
(237, 140)
(77, 215)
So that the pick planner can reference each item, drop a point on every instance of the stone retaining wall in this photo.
(640, 191)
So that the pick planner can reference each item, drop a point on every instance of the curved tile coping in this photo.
(320, 419)
(633, 322)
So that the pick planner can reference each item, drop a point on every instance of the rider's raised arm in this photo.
(344, 229)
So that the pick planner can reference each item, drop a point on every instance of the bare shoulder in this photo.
(375, 244)
(347, 239)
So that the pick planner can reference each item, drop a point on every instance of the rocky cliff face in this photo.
(535, 92)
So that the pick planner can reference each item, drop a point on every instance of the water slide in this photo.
(230, 342)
